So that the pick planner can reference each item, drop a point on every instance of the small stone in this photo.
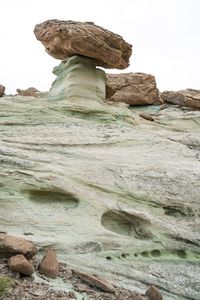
(146, 116)
(2, 90)
(19, 263)
(49, 265)
(153, 293)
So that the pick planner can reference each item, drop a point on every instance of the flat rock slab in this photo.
(63, 39)
(188, 97)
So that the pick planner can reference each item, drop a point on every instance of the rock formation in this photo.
(2, 90)
(115, 194)
(63, 39)
(19, 263)
(28, 92)
(133, 88)
(188, 97)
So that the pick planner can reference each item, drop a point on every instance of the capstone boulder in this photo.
(63, 39)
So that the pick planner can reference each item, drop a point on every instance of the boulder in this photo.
(2, 90)
(153, 294)
(63, 39)
(11, 245)
(28, 92)
(133, 88)
(49, 265)
(188, 97)
(19, 263)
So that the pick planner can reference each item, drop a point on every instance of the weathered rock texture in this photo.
(19, 263)
(114, 199)
(188, 97)
(11, 245)
(2, 90)
(28, 92)
(81, 87)
(133, 88)
(49, 265)
(63, 39)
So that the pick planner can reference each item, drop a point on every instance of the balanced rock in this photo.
(11, 245)
(63, 39)
(19, 263)
(28, 92)
(49, 265)
(2, 90)
(133, 88)
(188, 97)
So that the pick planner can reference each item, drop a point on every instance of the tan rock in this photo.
(97, 282)
(28, 92)
(133, 88)
(153, 294)
(188, 97)
(19, 263)
(146, 116)
(49, 265)
(63, 39)
(11, 245)
(2, 90)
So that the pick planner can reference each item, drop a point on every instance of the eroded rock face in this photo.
(133, 88)
(63, 39)
(113, 199)
(2, 90)
(188, 97)
(11, 245)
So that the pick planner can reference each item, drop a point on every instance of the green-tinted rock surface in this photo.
(115, 199)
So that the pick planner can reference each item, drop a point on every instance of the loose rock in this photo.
(11, 245)
(63, 39)
(133, 88)
(153, 293)
(49, 265)
(2, 90)
(28, 92)
(19, 263)
(97, 282)
(188, 97)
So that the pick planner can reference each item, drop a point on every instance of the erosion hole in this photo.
(155, 253)
(53, 198)
(126, 224)
(181, 253)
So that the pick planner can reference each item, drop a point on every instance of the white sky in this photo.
(165, 35)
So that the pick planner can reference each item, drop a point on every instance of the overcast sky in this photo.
(165, 35)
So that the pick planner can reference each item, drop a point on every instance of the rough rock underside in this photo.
(115, 198)
(63, 39)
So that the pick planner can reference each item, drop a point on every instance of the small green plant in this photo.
(5, 283)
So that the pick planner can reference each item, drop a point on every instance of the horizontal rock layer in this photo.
(133, 88)
(63, 39)
(188, 97)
